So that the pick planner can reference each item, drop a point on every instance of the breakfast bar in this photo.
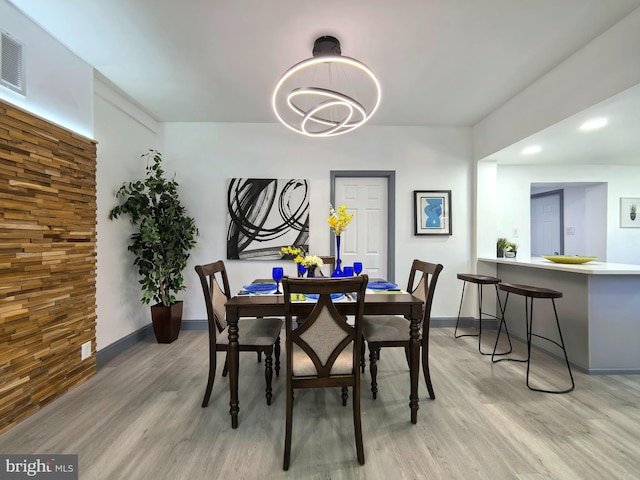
(599, 312)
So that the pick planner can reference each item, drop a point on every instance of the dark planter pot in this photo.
(500, 253)
(166, 321)
(633, 216)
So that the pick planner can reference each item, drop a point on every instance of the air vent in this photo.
(12, 64)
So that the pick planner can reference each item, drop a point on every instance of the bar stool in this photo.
(531, 292)
(480, 280)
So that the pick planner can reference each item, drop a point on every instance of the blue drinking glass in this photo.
(301, 270)
(357, 267)
(277, 273)
(348, 271)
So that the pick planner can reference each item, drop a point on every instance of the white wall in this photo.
(205, 156)
(59, 85)
(622, 181)
(124, 133)
(487, 206)
(575, 217)
(596, 211)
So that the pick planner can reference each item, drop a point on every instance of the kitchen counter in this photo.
(599, 312)
(589, 268)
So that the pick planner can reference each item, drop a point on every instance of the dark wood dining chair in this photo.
(329, 266)
(393, 331)
(255, 334)
(324, 351)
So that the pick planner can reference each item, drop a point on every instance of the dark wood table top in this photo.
(375, 304)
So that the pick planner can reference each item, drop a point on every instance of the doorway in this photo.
(370, 194)
(547, 223)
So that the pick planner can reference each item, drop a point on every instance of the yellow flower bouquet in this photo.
(338, 220)
(293, 252)
(310, 262)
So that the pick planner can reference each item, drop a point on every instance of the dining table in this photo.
(376, 302)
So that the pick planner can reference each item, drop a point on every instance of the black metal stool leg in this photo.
(503, 308)
(561, 345)
(480, 303)
(480, 322)
(500, 309)
(455, 333)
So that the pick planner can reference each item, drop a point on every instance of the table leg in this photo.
(233, 358)
(414, 367)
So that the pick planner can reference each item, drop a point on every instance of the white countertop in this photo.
(590, 268)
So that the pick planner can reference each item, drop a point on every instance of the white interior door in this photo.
(366, 239)
(546, 225)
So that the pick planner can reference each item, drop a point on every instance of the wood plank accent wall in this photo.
(47, 261)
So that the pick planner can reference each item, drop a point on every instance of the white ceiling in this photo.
(565, 143)
(440, 62)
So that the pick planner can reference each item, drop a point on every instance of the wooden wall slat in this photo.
(47, 261)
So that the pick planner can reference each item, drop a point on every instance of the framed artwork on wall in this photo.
(264, 215)
(432, 212)
(628, 212)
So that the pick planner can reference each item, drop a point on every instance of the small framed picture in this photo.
(432, 211)
(628, 212)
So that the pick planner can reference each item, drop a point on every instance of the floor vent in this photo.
(12, 64)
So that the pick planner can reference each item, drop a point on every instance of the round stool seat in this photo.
(480, 279)
(530, 291)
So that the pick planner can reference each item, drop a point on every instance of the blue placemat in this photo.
(260, 287)
(315, 296)
(382, 286)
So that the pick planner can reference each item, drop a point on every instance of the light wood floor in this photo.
(140, 418)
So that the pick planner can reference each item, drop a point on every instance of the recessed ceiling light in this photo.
(531, 149)
(594, 123)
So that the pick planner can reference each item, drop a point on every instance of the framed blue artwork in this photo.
(432, 211)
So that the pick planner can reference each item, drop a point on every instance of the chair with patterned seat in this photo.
(393, 331)
(256, 335)
(324, 350)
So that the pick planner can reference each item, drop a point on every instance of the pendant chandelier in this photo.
(326, 95)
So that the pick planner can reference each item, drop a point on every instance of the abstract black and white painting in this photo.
(265, 214)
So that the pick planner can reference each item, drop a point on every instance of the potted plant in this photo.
(632, 211)
(511, 250)
(165, 234)
(501, 245)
